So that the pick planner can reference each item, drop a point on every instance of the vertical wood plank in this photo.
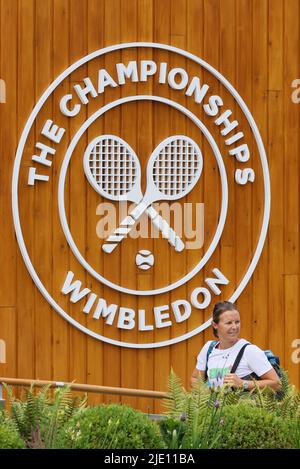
(178, 126)
(275, 45)
(145, 12)
(211, 53)
(275, 151)
(291, 319)
(129, 131)
(78, 48)
(228, 66)
(96, 360)
(194, 44)
(25, 289)
(260, 112)
(243, 194)
(291, 140)
(60, 327)
(43, 193)
(276, 233)
(161, 129)
(8, 140)
(112, 367)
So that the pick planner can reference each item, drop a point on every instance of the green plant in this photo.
(295, 433)
(288, 406)
(192, 416)
(173, 431)
(204, 410)
(246, 426)
(175, 402)
(9, 437)
(110, 426)
(38, 416)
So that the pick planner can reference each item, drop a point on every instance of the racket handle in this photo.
(167, 232)
(125, 227)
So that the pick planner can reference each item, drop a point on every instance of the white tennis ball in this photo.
(144, 259)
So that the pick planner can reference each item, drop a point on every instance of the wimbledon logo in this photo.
(147, 182)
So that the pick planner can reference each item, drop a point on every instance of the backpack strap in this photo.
(210, 349)
(238, 358)
(236, 362)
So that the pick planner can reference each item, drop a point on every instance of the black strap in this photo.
(210, 349)
(238, 358)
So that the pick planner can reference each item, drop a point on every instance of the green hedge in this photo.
(249, 427)
(110, 426)
(9, 438)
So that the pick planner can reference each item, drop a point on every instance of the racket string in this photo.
(175, 167)
(112, 167)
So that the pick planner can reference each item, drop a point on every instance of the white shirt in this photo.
(221, 361)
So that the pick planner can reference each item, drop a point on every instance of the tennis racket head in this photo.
(113, 169)
(174, 168)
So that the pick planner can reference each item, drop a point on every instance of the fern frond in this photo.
(62, 408)
(269, 400)
(16, 411)
(233, 397)
(286, 387)
(175, 402)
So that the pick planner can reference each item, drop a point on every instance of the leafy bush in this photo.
(110, 426)
(9, 437)
(173, 431)
(288, 406)
(246, 426)
(224, 419)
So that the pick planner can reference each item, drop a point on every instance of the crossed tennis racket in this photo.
(113, 169)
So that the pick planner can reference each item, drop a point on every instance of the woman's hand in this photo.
(233, 381)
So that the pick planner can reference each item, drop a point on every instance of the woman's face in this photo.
(228, 326)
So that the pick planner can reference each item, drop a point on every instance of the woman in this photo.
(218, 366)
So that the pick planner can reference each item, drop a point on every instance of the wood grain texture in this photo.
(254, 44)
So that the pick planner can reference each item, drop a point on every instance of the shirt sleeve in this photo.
(201, 359)
(257, 360)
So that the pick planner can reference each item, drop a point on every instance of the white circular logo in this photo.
(147, 169)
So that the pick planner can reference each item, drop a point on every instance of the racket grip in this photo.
(122, 231)
(167, 232)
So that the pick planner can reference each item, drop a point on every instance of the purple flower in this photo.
(216, 404)
(183, 417)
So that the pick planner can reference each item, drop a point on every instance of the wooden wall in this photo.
(255, 45)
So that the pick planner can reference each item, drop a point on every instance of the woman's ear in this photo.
(215, 325)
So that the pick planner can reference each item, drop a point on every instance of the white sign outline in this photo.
(61, 205)
(15, 176)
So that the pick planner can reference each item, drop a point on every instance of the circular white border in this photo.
(15, 202)
(61, 191)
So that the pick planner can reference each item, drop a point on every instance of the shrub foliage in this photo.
(9, 437)
(222, 418)
(110, 426)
